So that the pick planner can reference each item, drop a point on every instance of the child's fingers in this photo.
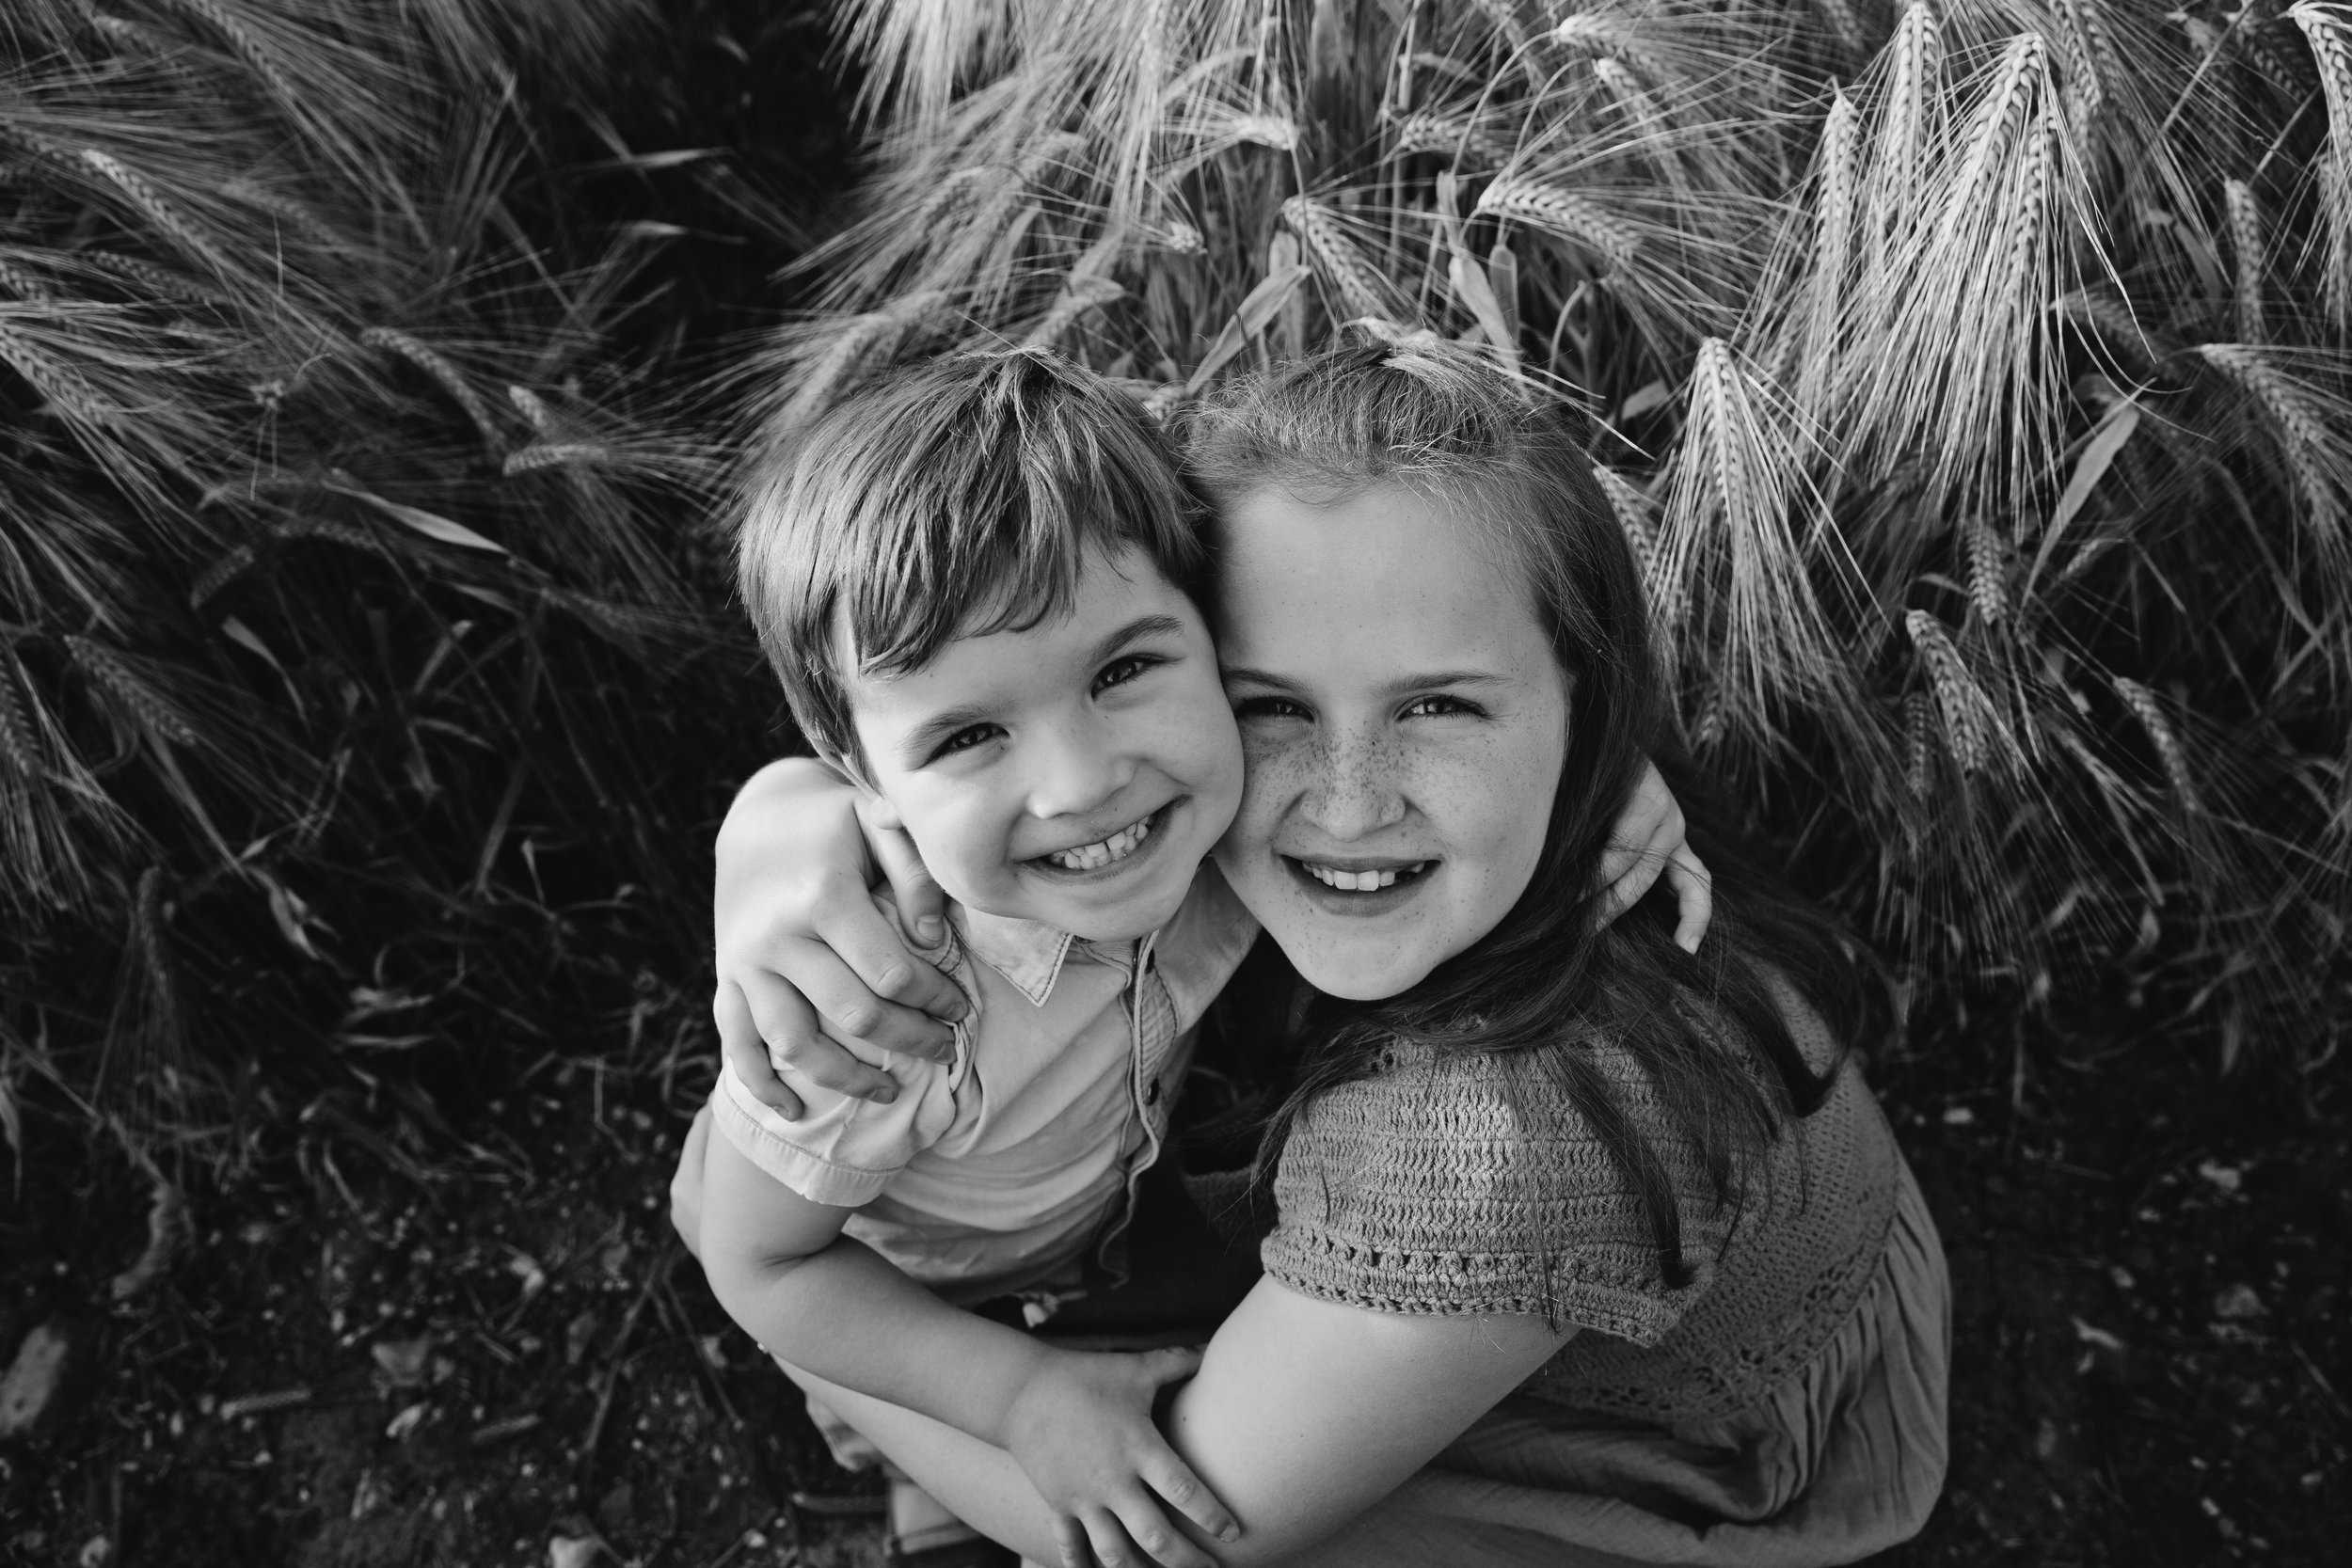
(1628, 889)
(1187, 1492)
(1070, 1543)
(741, 1043)
(1694, 893)
(922, 906)
(1108, 1539)
(862, 937)
(1146, 1524)
(848, 1005)
(796, 1043)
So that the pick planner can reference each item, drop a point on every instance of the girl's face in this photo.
(1404, 722)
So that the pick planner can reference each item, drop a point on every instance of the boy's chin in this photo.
(1128, 918)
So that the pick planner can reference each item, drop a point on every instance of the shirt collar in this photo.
(1028, 953)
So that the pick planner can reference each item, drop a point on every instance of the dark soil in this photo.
(512, 1362)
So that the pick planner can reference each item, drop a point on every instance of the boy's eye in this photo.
(1268, 707)
(1118, 672)
(1440, 706)
(965, 739)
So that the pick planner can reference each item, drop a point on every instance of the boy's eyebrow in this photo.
(1136, 631)
(915, 747)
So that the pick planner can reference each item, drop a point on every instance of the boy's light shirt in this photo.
(994, 1172)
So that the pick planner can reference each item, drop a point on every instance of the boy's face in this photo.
(1075, 773)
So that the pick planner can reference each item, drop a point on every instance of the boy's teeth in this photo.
(1086, 857)
(1360, 881)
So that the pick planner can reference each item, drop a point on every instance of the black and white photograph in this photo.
(1175, 783)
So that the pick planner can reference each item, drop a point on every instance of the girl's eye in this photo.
(1440, 706)
(1268, 707)
(1118, 672)
(966, 738)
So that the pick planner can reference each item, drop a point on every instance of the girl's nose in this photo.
(1079, 767)
(1358, 792)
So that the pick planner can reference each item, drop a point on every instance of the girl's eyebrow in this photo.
(1257, 677)
(1443, 678)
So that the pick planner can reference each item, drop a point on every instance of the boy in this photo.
(974, 585)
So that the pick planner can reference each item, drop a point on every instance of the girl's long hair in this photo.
(1538, 990)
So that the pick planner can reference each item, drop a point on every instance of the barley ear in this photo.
(2246, 239)
(2150, 712)
(1958, 698)
(450, 379)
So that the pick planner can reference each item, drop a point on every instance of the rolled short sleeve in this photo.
(843, 1151)
(1446, 1185)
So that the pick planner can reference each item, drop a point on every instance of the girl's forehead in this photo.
(1383, 575)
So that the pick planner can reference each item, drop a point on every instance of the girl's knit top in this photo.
(1440, 1185)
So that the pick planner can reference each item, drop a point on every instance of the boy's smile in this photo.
(1075, 772)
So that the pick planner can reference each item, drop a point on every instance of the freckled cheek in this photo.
(1274, 771)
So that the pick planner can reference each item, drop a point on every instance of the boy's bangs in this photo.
(1034, 520)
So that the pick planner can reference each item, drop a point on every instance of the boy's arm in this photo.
(833, 1308)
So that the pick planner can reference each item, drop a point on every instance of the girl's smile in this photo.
(1403, 763)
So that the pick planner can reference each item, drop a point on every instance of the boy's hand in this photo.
(1646, 842)
(801, 949)
(1082, 1429)
(686, 1185)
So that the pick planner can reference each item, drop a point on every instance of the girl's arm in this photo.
(1304, 1414)
(803, 952)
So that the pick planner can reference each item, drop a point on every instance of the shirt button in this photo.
(1152, 1092)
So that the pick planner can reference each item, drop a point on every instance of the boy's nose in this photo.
(1077, 771)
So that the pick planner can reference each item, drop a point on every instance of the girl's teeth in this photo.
(1088, 857)
(1360, 881)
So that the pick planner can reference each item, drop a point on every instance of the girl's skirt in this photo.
(1843, 1459)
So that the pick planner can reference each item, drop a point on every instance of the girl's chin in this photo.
(1371, 977)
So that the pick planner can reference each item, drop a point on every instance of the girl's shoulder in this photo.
(1460, 1182)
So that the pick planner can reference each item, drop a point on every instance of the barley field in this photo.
(1973, 383)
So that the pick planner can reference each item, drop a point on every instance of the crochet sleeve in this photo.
(1441, 1185)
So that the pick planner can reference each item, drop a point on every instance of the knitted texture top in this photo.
(1437, 1186)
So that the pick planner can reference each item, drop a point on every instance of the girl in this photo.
(1588, 1250)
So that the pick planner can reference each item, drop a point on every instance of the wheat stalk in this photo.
(1079, 297)
(2298, 418)
(1336, 257)
(159, 281)
(2246, 241)
(552, 454)
(1429, 131)
(2150, 713)
(56, 381)
(2331, 46)
(109, 671)
(1988, 569)
(150, 203)
(16, 733)
(450, 379)
(1918, 742)
(1967, 712)
(1560, 213)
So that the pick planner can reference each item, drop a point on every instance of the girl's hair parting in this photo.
(1545, 983)
(953, 497)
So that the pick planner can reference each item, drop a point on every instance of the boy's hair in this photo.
(955, 497)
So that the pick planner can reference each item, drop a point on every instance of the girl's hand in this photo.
(1646, 842)
(803, 951)
(1081, 1428)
